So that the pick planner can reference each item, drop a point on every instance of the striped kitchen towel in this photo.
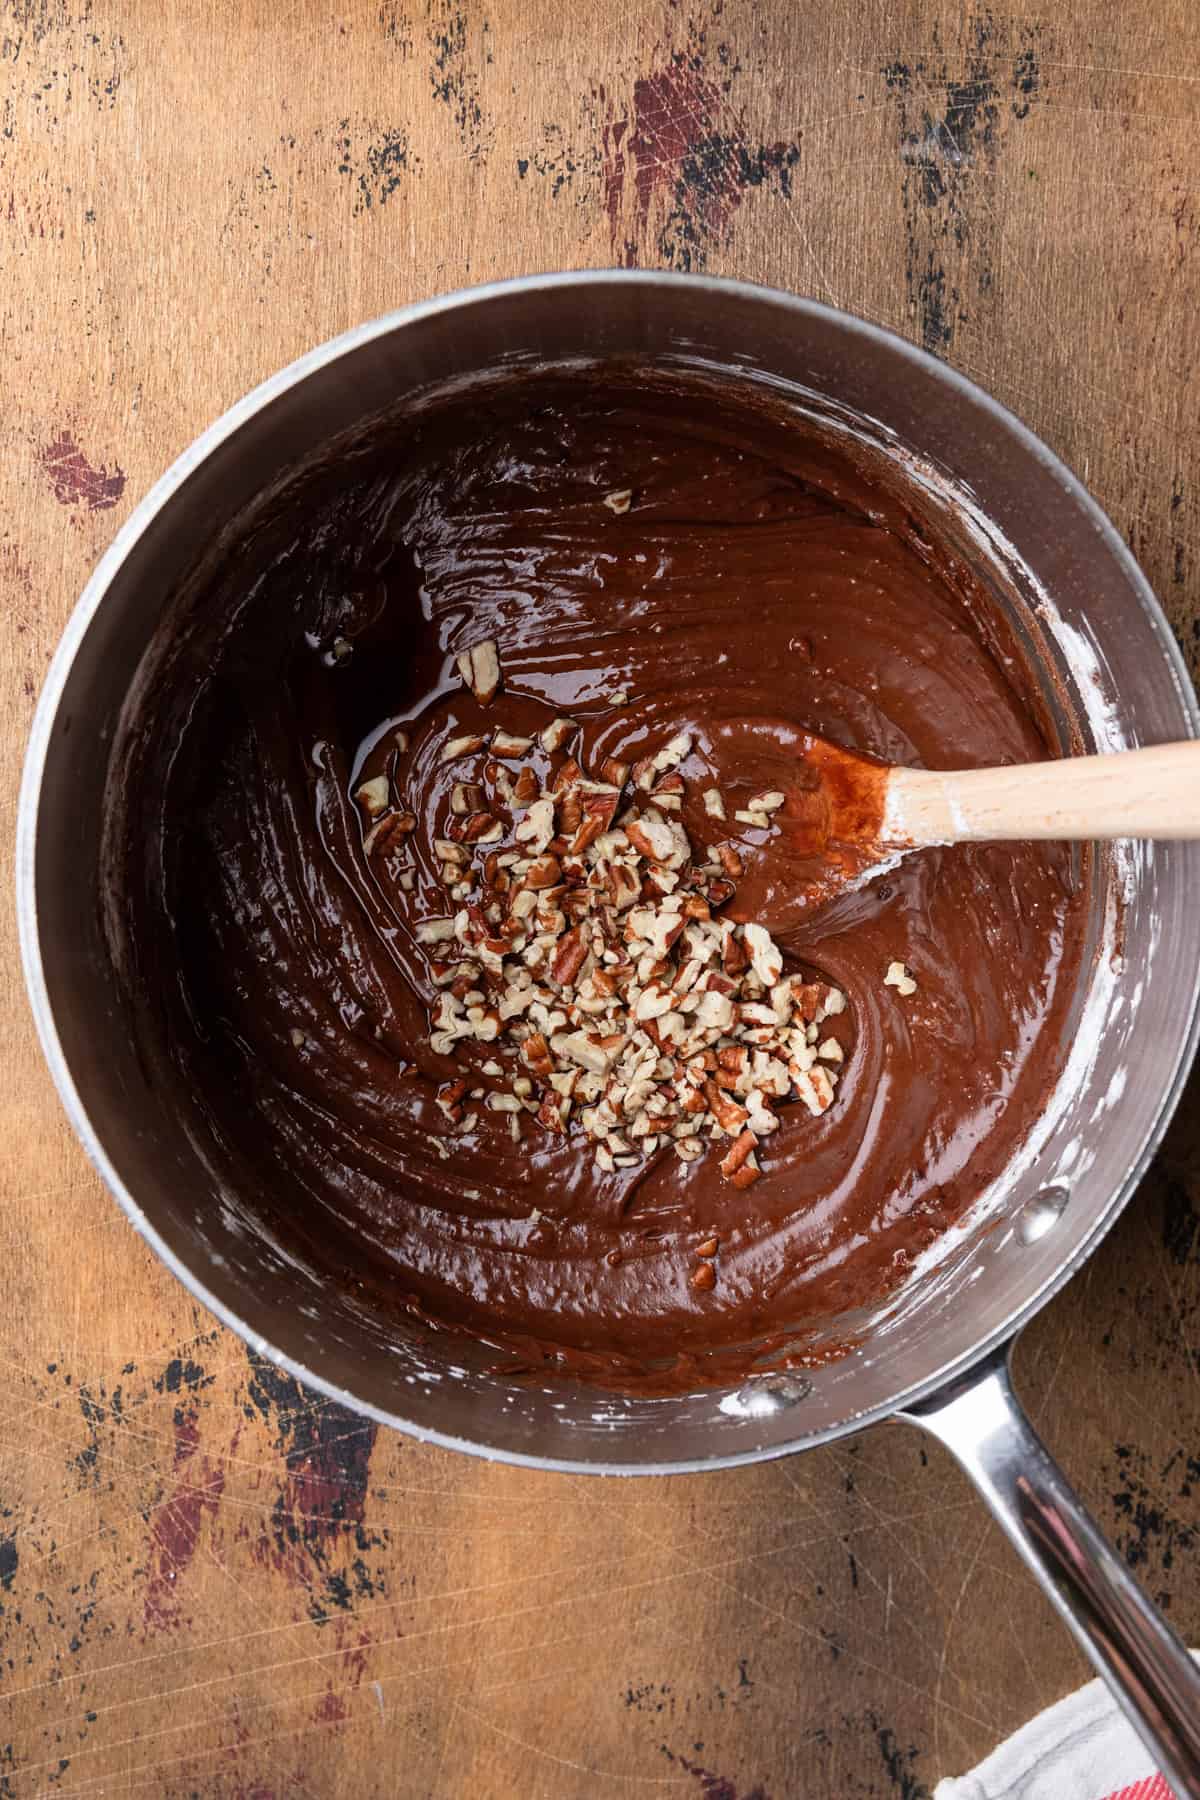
(1081, 1749)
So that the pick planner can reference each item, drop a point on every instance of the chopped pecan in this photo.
(466, 797)
(466, 745)
(525, 789)
(373, 795)
(482, 828)
(738, 1153)
(508, 745)
(558, 734)
(729, 1115)
(386, 833)
(480, 669)
(570, 954)
(535, 1054)
(543, 872)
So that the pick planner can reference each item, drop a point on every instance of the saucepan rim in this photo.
(92, 598)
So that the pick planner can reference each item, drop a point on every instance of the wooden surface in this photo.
(212, 1584)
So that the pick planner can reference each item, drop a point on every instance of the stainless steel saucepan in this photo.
(937, 1356)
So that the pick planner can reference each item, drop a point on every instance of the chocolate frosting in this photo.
(767, 581)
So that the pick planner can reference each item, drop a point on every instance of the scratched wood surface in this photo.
(212, 1583)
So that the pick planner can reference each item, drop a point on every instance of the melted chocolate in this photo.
(764, 583)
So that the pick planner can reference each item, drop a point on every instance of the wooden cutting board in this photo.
(215, 1584)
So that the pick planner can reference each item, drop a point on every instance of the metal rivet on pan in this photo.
(1041, 1213)
(767, 1395)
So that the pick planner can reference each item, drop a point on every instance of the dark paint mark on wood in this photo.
(455, 82)
(75, 480)
(1150, 1535)
(898, 1764)
(9, 1560)
(1181, 1223)
(327, 1453)
(378, 168)
(396, 26)
(180, 1376)
(950, 137)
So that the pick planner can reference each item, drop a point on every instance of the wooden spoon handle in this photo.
(1151, 793)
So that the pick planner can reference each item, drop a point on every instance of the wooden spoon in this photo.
(847, 817)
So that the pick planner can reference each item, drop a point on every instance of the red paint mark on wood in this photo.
(329, 1710)
(175, 1531)
(76, 481)
(675, 112)
(691, 159)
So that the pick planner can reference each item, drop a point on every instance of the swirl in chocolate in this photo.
(763, 583)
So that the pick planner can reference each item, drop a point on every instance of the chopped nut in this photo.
(571, 952)
(620, 500)
(765, 957)
(480, 670)
(373, 795)
(535, 1054)
(703, 1276)
(746, 817)
(615, 771)
(740, 1153)
(729, 1115)
(674, 753)
(831, 1051)
(435, 931)
(525, 789)
(466, 745)
(449, 1098)
(714, 805)
(617, 697)
(709, 1247)
(747, 1175)
(466, 797)
(537, 827)
(386, 832)
(543, 873)
(509, 746)
(558, 734)
(729, 860)
(482, 828)
(766, 803)
(815, 1087)
(899, 978)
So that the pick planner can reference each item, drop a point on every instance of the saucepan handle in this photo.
(981, 1422)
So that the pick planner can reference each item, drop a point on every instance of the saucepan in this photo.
(936, 1354)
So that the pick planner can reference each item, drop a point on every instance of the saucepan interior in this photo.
(1111, 676)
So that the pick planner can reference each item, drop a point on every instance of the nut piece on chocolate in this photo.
(898, 977)
(480, 670)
